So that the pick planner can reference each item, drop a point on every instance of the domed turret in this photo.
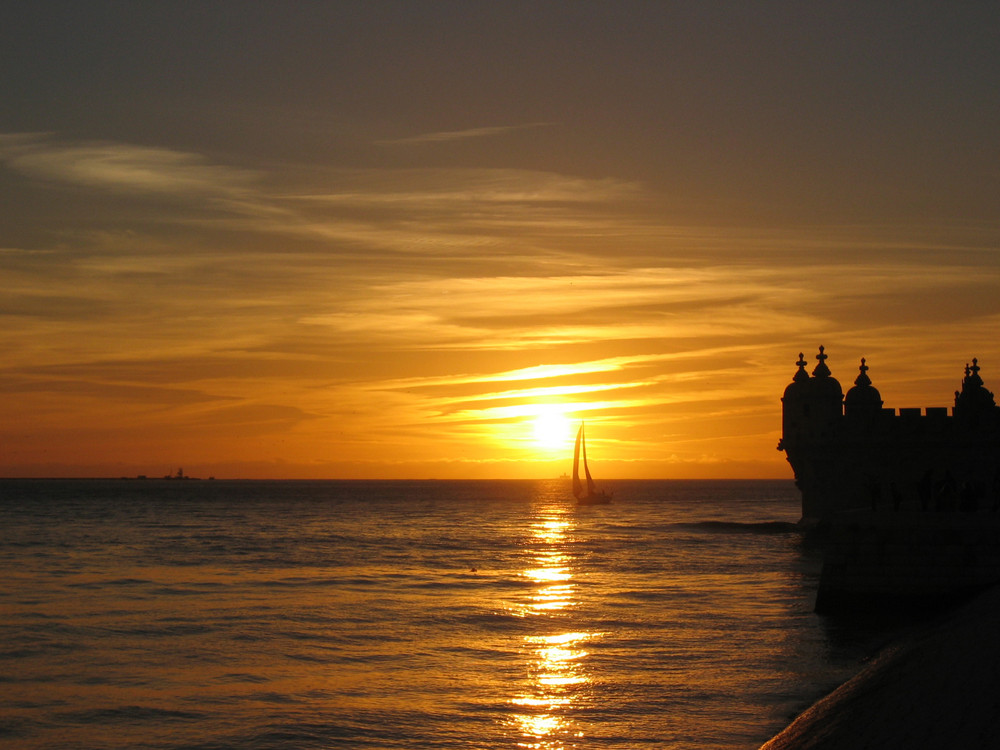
(824, 386)
(795, 404)
(974, 398)
(799, 379)
(826, 397)
(863, 398)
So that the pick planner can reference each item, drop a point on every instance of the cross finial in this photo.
(801, 373)
(821, 371)
(973, 377)
(863, 378)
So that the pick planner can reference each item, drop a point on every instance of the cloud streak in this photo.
(121, 168)
(461, 135)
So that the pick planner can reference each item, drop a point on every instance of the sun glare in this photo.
(552, 429)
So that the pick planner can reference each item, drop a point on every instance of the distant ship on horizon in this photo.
(180, 475)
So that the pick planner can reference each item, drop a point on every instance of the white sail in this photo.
(578, 491)
(589, 494)
(591, 489)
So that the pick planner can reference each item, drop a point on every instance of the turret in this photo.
(826, 398)
(795, 402)
(812, 416)
(973, 399)
(863, 402)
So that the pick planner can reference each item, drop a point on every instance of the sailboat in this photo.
(589, 494)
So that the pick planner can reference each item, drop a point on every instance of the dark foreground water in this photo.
(198, 614)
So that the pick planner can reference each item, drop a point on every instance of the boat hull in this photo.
(598, 499)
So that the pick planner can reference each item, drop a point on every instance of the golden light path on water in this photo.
(558, 675)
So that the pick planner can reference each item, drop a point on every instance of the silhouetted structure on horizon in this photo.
(850, 453)
(905, 503)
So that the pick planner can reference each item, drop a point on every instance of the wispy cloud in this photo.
(430, 212)
(459, 135)
(121, 167)
(433, 188)
(622, 304)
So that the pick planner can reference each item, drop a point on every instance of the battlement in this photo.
(930, 412)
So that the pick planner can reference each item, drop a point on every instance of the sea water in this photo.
(356, 614)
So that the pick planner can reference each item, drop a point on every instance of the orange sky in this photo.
(378, 239)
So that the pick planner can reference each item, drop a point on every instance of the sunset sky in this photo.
(426, 239)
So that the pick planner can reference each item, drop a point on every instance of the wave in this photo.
(130, 714)
(732, 527)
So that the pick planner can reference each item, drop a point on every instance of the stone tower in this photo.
(812, 412)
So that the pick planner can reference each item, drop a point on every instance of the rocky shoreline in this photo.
(938, 687)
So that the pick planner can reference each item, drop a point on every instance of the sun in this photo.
(552, 429)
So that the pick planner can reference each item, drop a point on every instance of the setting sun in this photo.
(552, 429)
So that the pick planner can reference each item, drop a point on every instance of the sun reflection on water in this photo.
(558, 677)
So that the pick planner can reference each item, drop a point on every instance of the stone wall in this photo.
(917, 560)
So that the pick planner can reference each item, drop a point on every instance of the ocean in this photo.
(394, 614)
